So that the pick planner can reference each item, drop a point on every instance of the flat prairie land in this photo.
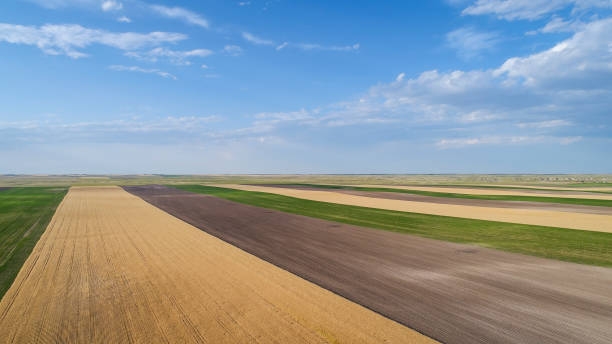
(585, 247)
(111, 268)
(454, 293)
(589, 222)
(460, 199)
(24, 215)
(558, 188)
(498, 192)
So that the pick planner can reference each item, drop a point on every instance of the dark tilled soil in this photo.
(2, 188)
(454, 293)
(571, 208)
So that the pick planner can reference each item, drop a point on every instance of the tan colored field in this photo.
(112, 268)
(559, 188)
(593, 222)
(477, 191)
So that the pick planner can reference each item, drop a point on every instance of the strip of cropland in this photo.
(24, 215)
(452, 292)
(460, 194)
(112, 268)
(490, 191)
(462, 199)
(589, 222)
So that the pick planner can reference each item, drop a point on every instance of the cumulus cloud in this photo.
(181, 14)
(469, 43)
(66, 39)
(124, 19)
(178, 57)
(526, 100)
(121, 68)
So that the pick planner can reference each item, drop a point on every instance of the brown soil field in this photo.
(592, 222)
(571, 208)
(483, 191)
(452, 292)
(111, 268)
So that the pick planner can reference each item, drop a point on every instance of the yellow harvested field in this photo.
(559, 188)
(477, 191)
(582, 221)
(111, 268)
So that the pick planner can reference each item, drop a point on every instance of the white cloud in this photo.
(311, 46)
(282, 46)
(175, 56)
(137, 69)
(530, 9)
(565, 89)
(66, 39)
(232, 50)
(244, 3)
(256, 40)
(583, 61)
(111, 5)
(181, 14)
(546, 124)
(400, 77)
(505, 140)
(470, 43)
(124, 19)
(205, 66)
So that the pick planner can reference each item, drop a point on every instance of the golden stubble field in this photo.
(481, 191)
(112, 268)
(592, 222)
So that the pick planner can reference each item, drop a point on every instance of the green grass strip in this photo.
(24, 215)
(560, 200)
(585, 247)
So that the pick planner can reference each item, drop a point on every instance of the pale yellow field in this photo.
(111, 268)
(559, 188)
(593, 222)
(477, 191)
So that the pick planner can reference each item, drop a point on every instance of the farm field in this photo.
(518, 202)
(112, 268)
(582, 221)
(451, 292)
(24, 215)
(586, 247)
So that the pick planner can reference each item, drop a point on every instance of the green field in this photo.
(24, 215)
(585, 247)
(561, 200)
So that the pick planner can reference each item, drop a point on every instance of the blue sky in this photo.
(279, 86)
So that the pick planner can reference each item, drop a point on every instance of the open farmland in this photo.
(111, 268)
(24, 215)
(454, 293)
(487, 191)
(591, 222)
(517, 202)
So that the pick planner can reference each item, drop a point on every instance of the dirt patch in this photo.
(571, 208)
(111, 268)
(454, 293)
(591, 222)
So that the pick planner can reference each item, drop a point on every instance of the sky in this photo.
(281, 86)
